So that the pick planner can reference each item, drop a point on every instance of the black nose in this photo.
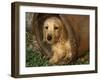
(49, 37)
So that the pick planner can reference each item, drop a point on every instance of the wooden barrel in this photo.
(76, 25)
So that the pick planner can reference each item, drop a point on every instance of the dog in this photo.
(55, 34)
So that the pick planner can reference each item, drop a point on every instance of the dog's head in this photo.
(52, 29)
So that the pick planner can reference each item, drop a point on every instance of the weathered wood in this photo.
(78, 28)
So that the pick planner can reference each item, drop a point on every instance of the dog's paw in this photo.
(53, 61)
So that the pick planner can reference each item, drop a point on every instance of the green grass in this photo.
(34, 58)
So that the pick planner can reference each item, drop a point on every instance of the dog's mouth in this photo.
(49, 42)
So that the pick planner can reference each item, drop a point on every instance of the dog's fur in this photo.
(54, 33)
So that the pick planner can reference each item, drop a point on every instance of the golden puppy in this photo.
(54, 33)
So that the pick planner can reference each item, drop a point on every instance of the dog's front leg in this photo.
(54, 59)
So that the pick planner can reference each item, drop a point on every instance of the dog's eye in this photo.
(55, 28)
(46, 27)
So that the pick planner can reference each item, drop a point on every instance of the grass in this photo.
(34, 57)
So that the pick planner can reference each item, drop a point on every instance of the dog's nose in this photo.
(49, 37)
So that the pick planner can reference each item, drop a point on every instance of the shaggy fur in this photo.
(54, 33)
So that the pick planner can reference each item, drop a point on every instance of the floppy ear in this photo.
(64, 32)
(44, 35)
